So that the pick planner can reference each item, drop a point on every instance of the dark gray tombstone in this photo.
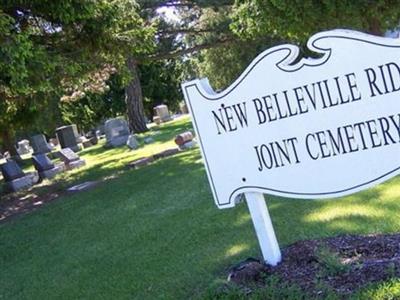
(117, 132)
(46, 167)
(15, 179)
(71, 159)
(11, 170)
(42, 162)
(39, 144)
(67, 136)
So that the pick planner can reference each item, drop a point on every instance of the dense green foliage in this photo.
(89, 111)
(50, 46)
(297, 20)
(161, 82)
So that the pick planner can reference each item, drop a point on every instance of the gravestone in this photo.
(67, 136)
(54, 141)
(132, 142)
(185, 140)
(166, 153)
(39, 144)
(117, 132)
(71, 159)
(23, 147)
(162, 112)
(83, 186)
(183, 108)
(45, 166)
(15, 179)
(11, 170)
(157, 120)
(140, 162)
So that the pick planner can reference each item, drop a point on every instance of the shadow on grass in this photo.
(155, 232)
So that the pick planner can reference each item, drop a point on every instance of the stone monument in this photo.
(39, 144)
(71, 159)
(132, 142)
(23, 147)
(45, 167)
(162, 112)
(117, 132)
(67, 136)
(15, 179)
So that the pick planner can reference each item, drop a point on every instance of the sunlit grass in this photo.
(155, 233)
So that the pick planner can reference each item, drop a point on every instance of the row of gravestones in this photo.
(67, 137)
(116, 132)
(16, 179)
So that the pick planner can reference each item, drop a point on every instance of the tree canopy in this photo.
(75, 50)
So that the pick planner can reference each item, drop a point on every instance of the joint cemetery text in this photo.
(321, 95)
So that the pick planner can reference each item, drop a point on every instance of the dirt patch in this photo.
(342, 264)
(14, 205)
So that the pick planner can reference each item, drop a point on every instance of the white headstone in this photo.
(117, 132)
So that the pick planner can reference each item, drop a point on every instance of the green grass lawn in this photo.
(155, 233)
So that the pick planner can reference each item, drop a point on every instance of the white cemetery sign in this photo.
(315, 128)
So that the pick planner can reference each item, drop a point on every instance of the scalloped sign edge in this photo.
(284, 57)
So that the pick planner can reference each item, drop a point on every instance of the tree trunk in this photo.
(134, 100)
(7, 139)
(375, 27)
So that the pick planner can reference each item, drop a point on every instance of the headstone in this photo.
(42, 162)
(183, 107)
(166, 153)
(101, 130)
(132, 142)
(157, 120)
(54, 141)
(67, 136)
(141, 162)
(11, 170)
(83, 186)
(23, 147)
(184, 137)
(94, 140)
(15, 179)
(117, 132)
(162, 112)
(46, 167)
(71, 159)
(39, 144)
(188, 145)
(148, 140)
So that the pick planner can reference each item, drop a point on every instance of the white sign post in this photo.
(317, 128)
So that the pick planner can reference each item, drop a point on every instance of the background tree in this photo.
(47, 46)
(93, 108)
(297, 20)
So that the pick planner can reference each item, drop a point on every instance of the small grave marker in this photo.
(71, 159)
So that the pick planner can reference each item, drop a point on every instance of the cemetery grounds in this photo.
(155, 233)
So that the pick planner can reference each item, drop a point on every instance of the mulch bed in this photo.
(343, 264)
